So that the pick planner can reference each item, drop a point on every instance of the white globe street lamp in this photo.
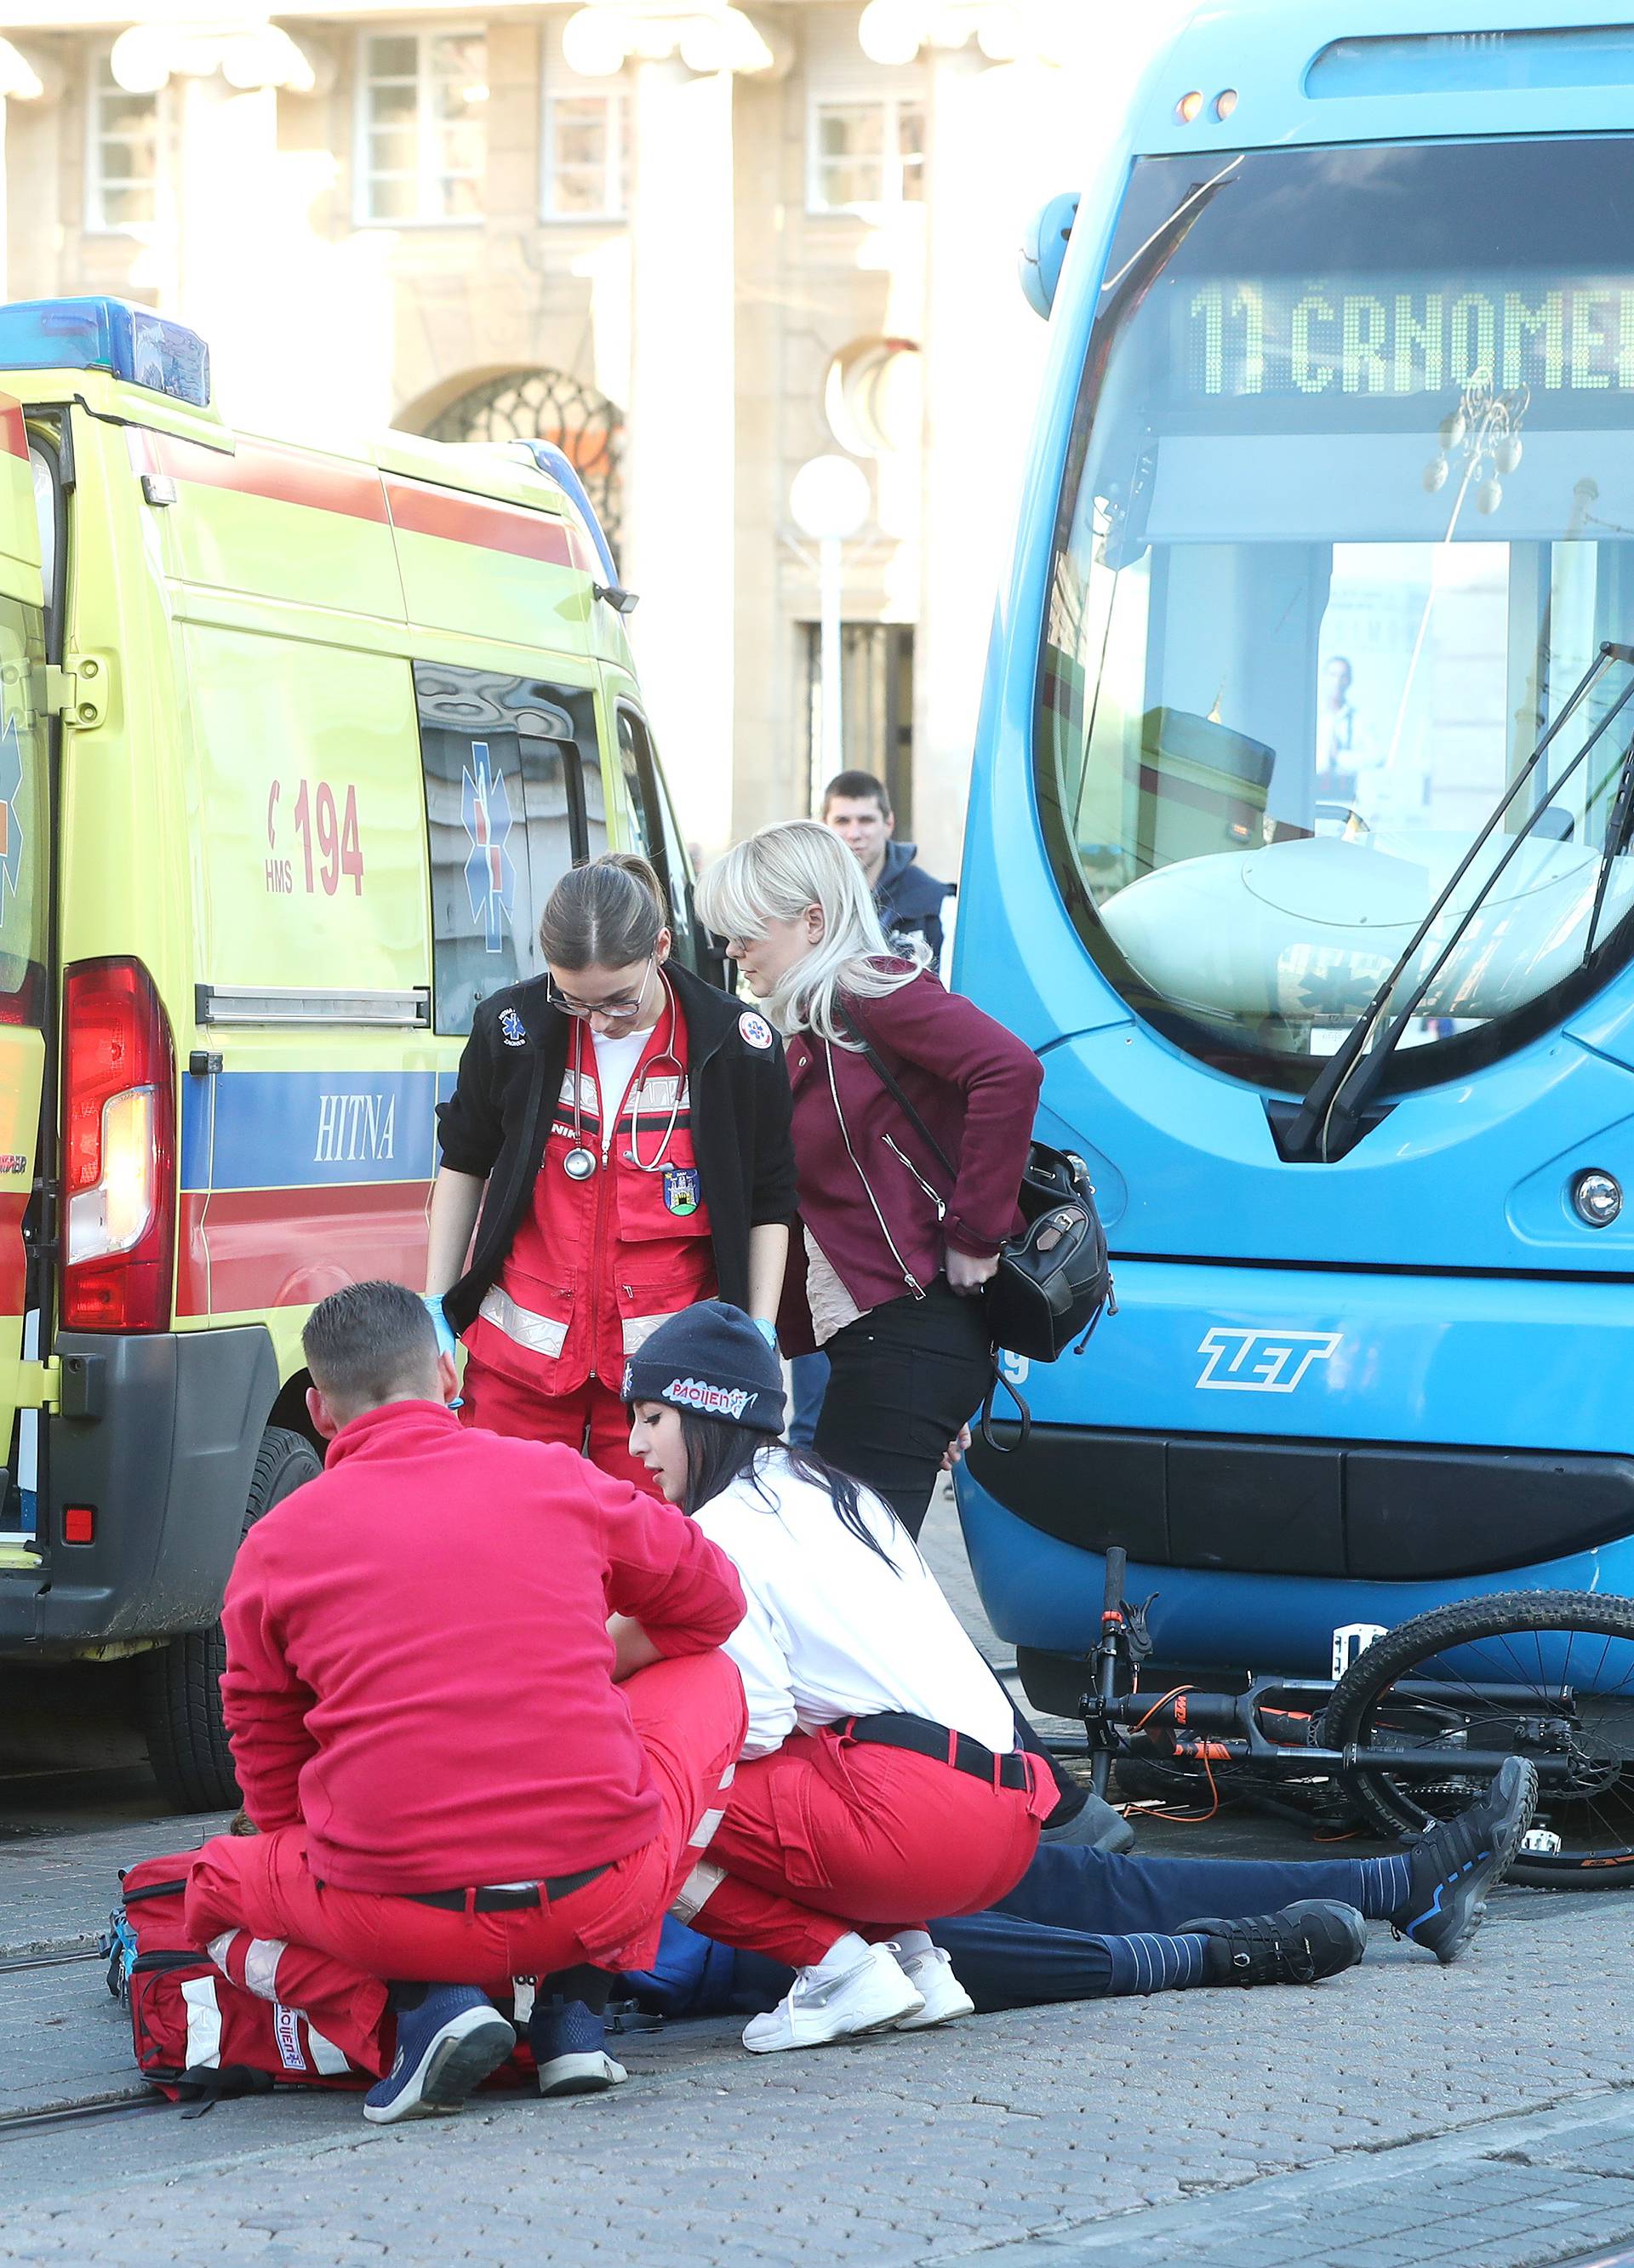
(829, 499)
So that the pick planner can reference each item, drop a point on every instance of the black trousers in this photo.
(902, 1380)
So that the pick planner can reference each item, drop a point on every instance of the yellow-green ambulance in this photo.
(294, 742)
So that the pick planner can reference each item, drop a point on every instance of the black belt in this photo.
(512, 1897)
(925, 1739)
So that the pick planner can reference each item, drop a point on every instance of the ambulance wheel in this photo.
(181, 1681)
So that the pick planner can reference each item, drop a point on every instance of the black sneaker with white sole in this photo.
(1451, 1869)
(1303, 1943)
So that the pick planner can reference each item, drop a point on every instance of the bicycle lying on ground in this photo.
(1416, 1725)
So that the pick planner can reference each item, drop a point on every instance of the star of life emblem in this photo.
(10, 814)
(490, 876)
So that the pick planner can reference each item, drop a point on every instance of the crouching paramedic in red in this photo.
(880, 1784)
(451, 1789)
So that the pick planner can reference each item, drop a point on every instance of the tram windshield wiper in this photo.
(1326, 1123)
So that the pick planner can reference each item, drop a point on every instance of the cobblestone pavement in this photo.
(1477, 2116)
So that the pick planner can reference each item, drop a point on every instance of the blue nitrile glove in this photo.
(767, 1331)
(446, 1343)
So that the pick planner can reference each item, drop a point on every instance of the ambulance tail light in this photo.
(118, 1150)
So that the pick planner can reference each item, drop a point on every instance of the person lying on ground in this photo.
(450, 1791)
(880, 1784)
(1086, 1924)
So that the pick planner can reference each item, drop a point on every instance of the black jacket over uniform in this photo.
(496, 1125)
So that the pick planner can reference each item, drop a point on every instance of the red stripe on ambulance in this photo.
(13, 432)
(267, 468)
(250, 1249)
(298, 477)
(419, 509)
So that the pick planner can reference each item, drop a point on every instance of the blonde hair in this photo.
(774, 876)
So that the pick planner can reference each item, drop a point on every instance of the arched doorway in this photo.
(546, 405)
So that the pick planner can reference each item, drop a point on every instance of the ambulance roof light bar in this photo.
(131, 342)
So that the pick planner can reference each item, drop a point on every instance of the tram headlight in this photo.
(1596, 1197)
(1187, 108)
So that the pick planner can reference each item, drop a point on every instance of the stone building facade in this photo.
(697, 244)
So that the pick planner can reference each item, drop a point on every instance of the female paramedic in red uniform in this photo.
(623, 1128)
(880, 1783)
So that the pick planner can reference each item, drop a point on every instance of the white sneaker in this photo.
(870, 1997)
(931, 1973)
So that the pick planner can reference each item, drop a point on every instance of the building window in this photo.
(876, 710)
(126, 154)
(868, 152)
(586, 156)
(422, 132)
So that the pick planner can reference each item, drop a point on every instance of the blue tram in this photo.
(1300, 838)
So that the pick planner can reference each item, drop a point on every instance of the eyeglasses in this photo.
(618, 1009)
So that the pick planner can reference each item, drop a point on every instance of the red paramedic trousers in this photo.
(691, 1718)
(592, 1420)
(830, 1835)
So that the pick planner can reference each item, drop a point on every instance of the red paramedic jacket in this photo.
(417, 1658)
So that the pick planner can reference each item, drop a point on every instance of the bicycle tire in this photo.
(1391, 1803)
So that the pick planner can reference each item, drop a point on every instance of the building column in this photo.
(681, 540)
(24, 78)
(223, 227)
(680, 550)
(993, 85)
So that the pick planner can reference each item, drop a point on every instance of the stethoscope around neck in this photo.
(580, 1161)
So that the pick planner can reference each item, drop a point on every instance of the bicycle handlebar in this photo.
(1117, 1559)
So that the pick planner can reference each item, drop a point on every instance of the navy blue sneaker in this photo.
(568, 2042)
(1451, 1869)
(446, 2047)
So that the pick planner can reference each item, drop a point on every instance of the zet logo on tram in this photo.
(1261, 1362)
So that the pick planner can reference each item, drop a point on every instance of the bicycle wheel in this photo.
(1546, 1675)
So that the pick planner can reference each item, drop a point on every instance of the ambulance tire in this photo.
(181, 1681)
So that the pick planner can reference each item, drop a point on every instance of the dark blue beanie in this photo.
(709, 1358)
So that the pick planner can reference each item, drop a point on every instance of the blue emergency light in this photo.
(130, 341)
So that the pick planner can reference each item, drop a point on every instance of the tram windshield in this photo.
(1349, 508)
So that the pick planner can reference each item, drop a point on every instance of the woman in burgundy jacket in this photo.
(895, 1257)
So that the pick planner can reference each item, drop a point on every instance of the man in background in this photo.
(910, 901)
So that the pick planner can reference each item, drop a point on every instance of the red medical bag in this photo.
(200, 2030)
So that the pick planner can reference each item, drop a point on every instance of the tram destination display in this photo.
(1399, 338)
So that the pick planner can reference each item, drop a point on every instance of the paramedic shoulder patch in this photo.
(511, 1029)
(755, 1030)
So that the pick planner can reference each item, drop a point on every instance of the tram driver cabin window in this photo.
(512, 795)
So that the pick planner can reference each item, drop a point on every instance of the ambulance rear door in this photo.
(30, 521)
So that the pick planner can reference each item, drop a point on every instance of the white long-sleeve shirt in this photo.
(832, 1630)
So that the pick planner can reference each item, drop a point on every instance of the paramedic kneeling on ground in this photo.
(450, 1790)
(881, 1782)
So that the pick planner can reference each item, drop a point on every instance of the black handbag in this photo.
(1053, 1281)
